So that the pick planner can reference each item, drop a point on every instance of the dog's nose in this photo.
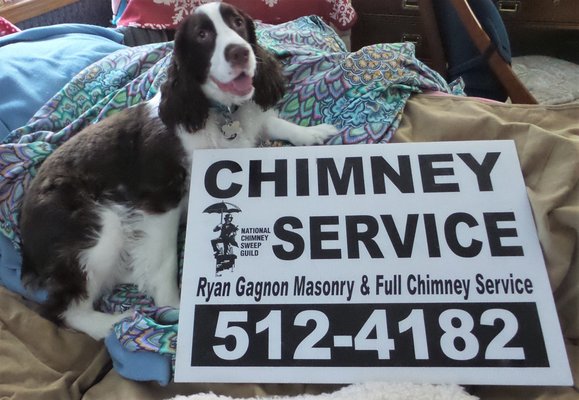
(237, 55)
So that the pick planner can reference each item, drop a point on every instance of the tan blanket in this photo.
(41, 361)
(547, 141)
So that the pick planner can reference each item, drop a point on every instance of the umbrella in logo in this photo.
(222, 208)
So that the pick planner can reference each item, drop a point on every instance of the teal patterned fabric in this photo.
(362, 93)
(151, 328)
(123, 79)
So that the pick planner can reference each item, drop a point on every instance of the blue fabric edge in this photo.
(44, 32)
(155, 366)
(10, 272)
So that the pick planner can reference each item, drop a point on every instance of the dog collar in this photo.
(230, 127)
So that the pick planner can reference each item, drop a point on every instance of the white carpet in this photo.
(367, 391)
(550, 80)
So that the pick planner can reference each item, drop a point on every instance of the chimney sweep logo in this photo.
(224, 243)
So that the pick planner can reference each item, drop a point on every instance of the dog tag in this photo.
(231, 130)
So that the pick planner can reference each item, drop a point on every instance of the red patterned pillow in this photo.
(6, 27)
(167, 14)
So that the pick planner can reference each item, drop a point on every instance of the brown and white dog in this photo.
(104, 208)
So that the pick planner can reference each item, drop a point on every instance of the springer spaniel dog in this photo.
(105, 207)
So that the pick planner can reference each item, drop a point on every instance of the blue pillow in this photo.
(38, 62)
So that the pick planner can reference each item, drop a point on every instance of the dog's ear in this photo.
(268, 81)
(182, 100)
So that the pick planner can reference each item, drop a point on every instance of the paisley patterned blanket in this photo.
(362, 93)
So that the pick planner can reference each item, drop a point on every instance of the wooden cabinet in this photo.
(548, 27)
(389, 21)
(542, 14)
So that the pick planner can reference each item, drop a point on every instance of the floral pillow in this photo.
(167, 14)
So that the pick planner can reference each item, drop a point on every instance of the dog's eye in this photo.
(238, 22)
(202, 34)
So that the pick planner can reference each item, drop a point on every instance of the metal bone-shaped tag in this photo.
(231, 130)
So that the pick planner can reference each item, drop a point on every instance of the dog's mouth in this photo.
(242, 85)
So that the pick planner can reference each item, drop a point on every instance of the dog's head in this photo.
(216, 59)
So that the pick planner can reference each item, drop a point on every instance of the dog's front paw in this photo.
(317, 134)
(321, 133)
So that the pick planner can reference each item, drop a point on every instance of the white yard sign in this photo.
(338, 264)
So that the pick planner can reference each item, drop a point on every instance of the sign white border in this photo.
(508, 194)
